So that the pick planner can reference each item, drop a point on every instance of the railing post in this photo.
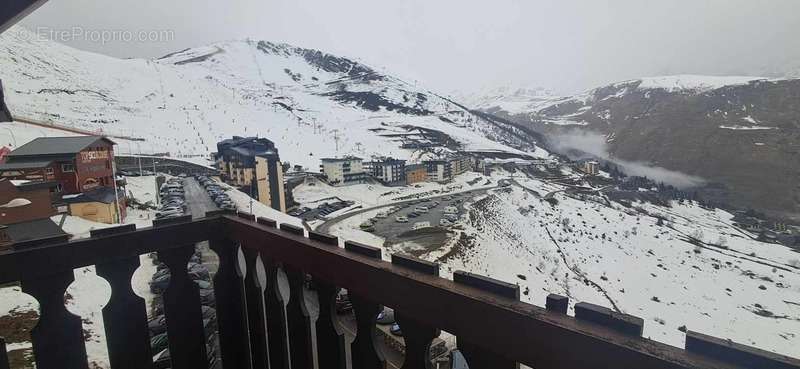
(276, 317)
(231, 307)
(275, 305)
(418, 336)
(182, 309)
(254, 295)
(125, 315)
(477, 357)
(58, 336)
(299, 321)
(297, 316)
(365, 353)
(331, 348)
(4, 364)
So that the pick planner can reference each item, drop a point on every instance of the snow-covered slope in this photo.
(678, 267)
(513, 100)
(310, 103)
(727, 284)
(694, 83)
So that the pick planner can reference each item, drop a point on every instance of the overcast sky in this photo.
(466, 45)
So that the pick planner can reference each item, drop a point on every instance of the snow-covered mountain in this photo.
(741, 132)
(312, 104)
(509, 99)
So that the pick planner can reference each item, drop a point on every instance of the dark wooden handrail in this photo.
(34, 262)
(496, 329)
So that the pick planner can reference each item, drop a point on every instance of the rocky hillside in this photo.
(740, 134)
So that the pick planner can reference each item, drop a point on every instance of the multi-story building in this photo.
(416, 173)
(438, 170)
(388, 170)
(76, 164)
(343, 171)
(252, 165)
(269, 181)
(459, 164)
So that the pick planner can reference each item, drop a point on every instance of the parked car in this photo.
(159, 342)
(421, 209)
(401, 219)
(162, 360)
(395, 330)
(157, 325)
(421, 225)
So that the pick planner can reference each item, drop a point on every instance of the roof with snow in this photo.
(247, 146)
(101, 194)
(57, 145)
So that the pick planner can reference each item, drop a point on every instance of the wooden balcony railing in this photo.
(257, 329)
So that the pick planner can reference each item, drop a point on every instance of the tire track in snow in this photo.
(579, 273)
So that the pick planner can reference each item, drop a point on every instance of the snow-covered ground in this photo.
(605, 253)
(245, 203)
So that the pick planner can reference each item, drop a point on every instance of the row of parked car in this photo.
(159, 343)
(173, 199)
(217, 193)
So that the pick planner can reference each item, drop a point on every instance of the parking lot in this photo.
(197, 200)
(431, 234)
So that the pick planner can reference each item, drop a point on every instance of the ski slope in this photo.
(311, 104)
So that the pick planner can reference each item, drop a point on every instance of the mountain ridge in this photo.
(740, 132)
(186, 100)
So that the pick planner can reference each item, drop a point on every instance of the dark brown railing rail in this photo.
(258, 329)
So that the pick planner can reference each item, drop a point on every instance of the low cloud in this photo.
(579, 145)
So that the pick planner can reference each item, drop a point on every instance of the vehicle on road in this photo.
(401, 219)
(413, 214)
(381, 215)
(421, 209)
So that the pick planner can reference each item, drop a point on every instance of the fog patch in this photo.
(580, 145)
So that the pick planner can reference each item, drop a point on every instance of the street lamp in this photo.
(16, 203)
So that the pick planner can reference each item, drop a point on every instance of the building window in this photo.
(48, 170)
(67, 168)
